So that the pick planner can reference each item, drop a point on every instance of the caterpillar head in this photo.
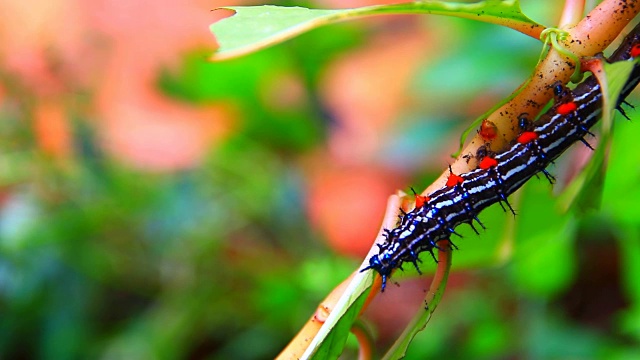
(392, 253)
(383, 264)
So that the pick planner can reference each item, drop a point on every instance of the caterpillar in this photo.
(464, 196)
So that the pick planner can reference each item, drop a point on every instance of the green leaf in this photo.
(419, 322)
(613, 79)
(330, 340)
(543, 262)
(255, 27)
(621, 194)
(585, 192)
(546, 264)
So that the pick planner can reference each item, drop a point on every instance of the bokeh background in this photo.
(154, 205)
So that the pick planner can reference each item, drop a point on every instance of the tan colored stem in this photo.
(590, 36)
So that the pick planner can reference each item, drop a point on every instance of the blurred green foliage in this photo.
(100, 260)
(219, 262)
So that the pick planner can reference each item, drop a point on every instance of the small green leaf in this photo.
(255, 27)
(420, 320)
(616, 76)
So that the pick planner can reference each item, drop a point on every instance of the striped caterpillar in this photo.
(497, 176)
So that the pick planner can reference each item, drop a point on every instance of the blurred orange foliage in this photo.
(114, 48)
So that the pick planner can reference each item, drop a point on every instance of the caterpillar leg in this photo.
(551, 178)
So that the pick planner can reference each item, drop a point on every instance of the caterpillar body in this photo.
(464, 196)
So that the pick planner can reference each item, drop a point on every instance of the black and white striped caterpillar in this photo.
(436, 216)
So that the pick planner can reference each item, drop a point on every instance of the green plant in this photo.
(574, 40)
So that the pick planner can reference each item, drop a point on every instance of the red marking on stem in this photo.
(567, 108)
(421, 200)
(527, 137)
(454, 180)
(487, 162)
(635, 51)
(488, 130)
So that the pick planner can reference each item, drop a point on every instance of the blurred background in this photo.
(155, 205)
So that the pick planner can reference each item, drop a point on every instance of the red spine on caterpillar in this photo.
(454, 180)
(421, 200)
(487, 162)
(567, 108)
(527, 137)
(635, 51)
(488, 130)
